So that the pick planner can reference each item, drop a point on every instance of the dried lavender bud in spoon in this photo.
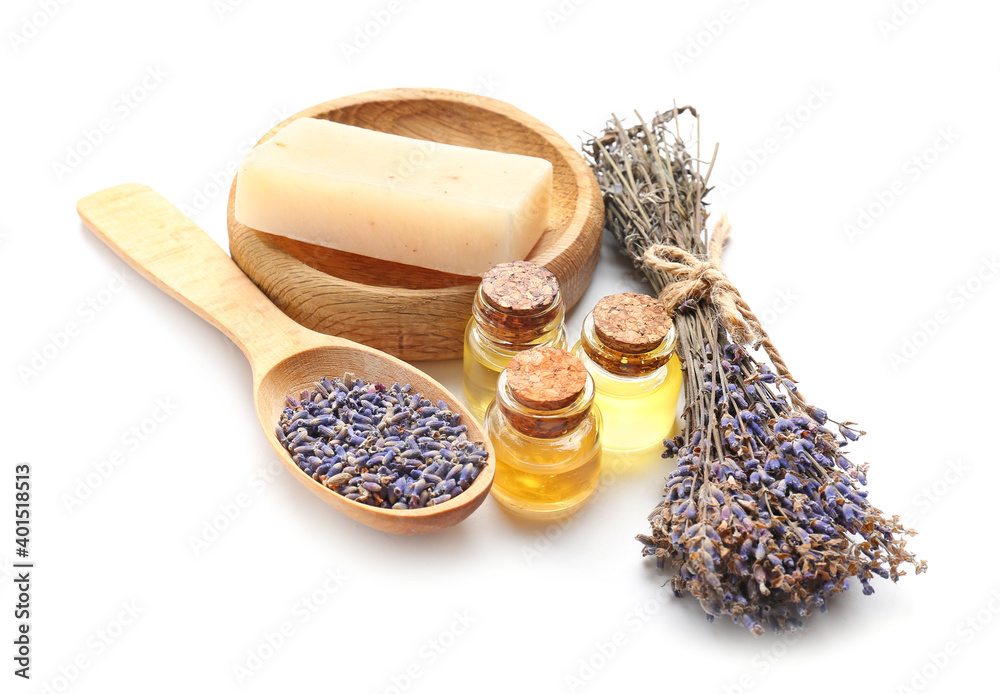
(380, 446)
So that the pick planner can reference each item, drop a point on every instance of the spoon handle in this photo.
(174, 253)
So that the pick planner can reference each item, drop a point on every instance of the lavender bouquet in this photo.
(764, 516)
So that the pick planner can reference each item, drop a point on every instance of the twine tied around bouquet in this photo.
(698, 279)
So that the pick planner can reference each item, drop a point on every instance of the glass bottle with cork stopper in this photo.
(627, 344)
(518, 306)
(546, 432)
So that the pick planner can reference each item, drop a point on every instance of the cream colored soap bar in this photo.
(453, 209)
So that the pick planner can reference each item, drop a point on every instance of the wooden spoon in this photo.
(171, 251)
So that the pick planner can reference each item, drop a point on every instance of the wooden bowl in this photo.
(410, 312)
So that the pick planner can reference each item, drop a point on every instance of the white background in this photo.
(855, 97)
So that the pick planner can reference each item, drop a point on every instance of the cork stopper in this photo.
(547, 383)
(631, 323)
(520, 288)
(546, 378)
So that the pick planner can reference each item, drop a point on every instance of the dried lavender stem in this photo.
(764, 517)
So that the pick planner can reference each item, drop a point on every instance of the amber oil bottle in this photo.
(627, 345)
(517, 306)
(546, 432)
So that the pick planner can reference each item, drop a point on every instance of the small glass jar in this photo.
(546, 433)
(517, 306)
(627, 344)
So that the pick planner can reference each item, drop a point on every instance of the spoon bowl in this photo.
(170, 250)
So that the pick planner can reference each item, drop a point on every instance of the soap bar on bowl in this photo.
(453, 209)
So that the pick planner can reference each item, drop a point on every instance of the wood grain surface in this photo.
(410, 312)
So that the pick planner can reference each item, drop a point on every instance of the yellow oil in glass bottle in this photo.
(546, 433)
(627, 344)
(518, 306)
